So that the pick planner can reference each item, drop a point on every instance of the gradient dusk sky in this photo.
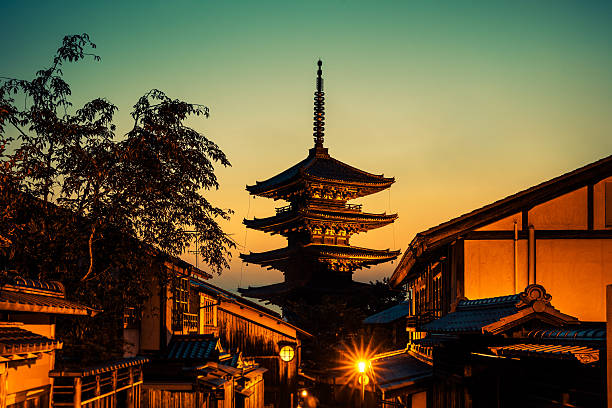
(462, 102)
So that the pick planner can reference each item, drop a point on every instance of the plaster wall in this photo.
(38, 323)
(599, 204)
(419, 400)
(28, 377)
(167, 321)
(131, 340)
(150, 322)
(505, 224)
(575, 272)
(568, 211)
(489, 267)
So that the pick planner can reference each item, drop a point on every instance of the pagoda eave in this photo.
(287, 222)
(322, 252)
(270, 292)
(295, 187)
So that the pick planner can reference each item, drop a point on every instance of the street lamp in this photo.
(363, 378)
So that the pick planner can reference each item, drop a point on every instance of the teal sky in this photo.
(462, 102)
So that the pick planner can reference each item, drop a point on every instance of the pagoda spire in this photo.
(319, 110)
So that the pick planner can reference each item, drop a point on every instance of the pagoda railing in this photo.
(284, 209)
(351, 207)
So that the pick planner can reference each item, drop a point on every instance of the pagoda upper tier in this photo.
(317, 218)
(321, 176)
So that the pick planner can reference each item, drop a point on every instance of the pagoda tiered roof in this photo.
(320, 167)
(291, 218)
(318, 222)
(277, 258)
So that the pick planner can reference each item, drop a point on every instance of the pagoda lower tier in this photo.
(278, 293)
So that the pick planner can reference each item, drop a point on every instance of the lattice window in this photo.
(180, 304)
(437, 295)
(207, 305)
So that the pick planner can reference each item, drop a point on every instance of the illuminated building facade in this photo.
(478, 298)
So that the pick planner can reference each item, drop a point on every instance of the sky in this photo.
(462, 102)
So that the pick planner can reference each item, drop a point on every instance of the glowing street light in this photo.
(363, 378)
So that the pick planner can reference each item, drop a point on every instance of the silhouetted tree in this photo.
(94, 209)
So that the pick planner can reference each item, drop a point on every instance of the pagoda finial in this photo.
(319, 109)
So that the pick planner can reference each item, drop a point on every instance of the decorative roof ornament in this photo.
(319, 110)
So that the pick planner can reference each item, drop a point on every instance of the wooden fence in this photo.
(114, 385)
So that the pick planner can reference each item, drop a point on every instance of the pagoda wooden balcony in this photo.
(284, 209)
(349, 207)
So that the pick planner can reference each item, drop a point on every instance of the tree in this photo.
(91, 208)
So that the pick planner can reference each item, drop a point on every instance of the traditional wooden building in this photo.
(556, 235)
(183, 308)
(505, 351)
(28, 309)
(260, 334)
(516, 350)
(318, 222)
(196, 372)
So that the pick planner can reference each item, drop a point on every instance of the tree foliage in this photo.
(95, 209)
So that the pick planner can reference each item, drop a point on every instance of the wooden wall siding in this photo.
(155, 398)
(255, 400)
(250, 338)
(261, 343)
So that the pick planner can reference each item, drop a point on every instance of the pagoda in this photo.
(318, 222)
